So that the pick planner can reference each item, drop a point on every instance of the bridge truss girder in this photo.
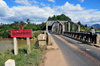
(59, 27)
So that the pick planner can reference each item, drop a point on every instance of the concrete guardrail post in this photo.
(84, 38)
(10, 62)
(97, 39)
(88, 39)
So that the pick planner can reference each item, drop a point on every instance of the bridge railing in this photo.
(83, 36)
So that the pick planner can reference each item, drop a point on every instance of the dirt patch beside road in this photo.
(54, 58)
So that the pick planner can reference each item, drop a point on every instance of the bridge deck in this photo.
(77, 53)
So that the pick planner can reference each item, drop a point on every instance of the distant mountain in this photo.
(96, 25)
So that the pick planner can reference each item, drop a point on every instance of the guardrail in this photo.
(83, 36)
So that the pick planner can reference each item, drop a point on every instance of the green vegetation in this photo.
(59, 17)
(83, 27)
(5, 28)
(36, 33)
(22, 59)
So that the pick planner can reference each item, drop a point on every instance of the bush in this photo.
(5, 34)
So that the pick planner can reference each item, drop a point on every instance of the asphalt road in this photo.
(77, 53)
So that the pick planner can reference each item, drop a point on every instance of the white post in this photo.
(97, 39)
(69, 26)
(63, 28)
(10, 62)
(28, 45)
(47, 26)
(15, 46)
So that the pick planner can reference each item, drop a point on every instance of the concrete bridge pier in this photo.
(59, 28)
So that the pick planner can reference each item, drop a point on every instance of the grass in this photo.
(36, 33)
(22, 59)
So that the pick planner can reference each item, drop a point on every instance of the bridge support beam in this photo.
(79, 28)
(47, 26)
(65, 26)
(68, 26)
(60, 29)
(72, 27)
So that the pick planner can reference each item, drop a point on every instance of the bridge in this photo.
(61, 26)
(77, 48)
(68, 28)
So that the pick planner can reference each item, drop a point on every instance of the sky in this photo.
(85, 11)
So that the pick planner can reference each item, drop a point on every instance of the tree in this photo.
(54, 18)
(86, 25)
(15, 22)
(50, 18)
(28, 21)
(59, 17)
(22, 23)
(79, 23)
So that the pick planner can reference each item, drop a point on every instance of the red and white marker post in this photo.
(21, 33)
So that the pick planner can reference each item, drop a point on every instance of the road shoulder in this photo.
(54, 58)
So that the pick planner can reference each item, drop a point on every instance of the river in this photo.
(7, 43)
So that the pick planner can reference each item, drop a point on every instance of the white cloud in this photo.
(81, 1)
(18, 13)
(35, 2)
(78, 13)
(37, 14)
(24, 2)
(42, 4)
(51, 0)
(70, 7)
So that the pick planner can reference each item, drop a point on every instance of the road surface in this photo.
(77, 53)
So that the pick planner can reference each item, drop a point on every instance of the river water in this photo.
(7, 43)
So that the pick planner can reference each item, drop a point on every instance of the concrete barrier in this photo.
(51, 43)
(42, 40)
(10, 62)
(49, 39)
(42, 37)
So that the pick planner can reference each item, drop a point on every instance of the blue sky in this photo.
(85, 11)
